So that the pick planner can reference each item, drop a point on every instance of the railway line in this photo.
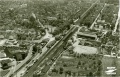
(44, 63)
(53, 52)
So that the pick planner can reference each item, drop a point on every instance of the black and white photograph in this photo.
(59, 38)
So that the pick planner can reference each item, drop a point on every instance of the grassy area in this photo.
(12, 13)
(43, 8)
(82, 65)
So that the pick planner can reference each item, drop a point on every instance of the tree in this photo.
(78, 55)
(35, 49)
(71, 51)
(56, 31)
(79, 63)
(25, 23)
(74, 74)
(32, 17)
(61, 70)
(69, 72)
(54, 70)
(39, 49)
(90, 74)
(99, 62)
(11, 12)
(75, 54)
(6, 50)
(66, 73)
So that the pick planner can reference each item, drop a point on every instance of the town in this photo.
(59, 38)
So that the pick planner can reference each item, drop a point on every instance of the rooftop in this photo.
(2, 55)
(87, 34)
(2, 42)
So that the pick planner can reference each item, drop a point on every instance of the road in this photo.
(20, 67)
(51, 50)
(55, 50)
(30, 71)
(92, 26)
(24, 69)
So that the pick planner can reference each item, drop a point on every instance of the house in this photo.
(86, 36)
(6, 66)
(15, 52)
(5, 63)
(20, 54)
(2, 55)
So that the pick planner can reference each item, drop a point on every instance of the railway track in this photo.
(49, 53)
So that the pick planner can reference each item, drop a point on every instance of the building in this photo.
(2, 55)
(7, 66)
(16, 52)
(86, 36)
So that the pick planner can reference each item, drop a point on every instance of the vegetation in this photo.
(17, 14)
(92, 15)
(109, 14)
(78, 65)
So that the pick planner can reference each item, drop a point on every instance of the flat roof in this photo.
(85, 34)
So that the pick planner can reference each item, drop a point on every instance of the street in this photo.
(20, 68)
(51, 53)
(59, 38)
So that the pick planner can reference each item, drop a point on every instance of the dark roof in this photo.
(6, 61)
(85, 34)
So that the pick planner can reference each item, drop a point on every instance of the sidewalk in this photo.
(30, 53)
(23, 70)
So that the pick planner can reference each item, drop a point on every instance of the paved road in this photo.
(49, 54)
(55, 54)
(38, 55)
(20, 67)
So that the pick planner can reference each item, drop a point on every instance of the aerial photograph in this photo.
(59, 38)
